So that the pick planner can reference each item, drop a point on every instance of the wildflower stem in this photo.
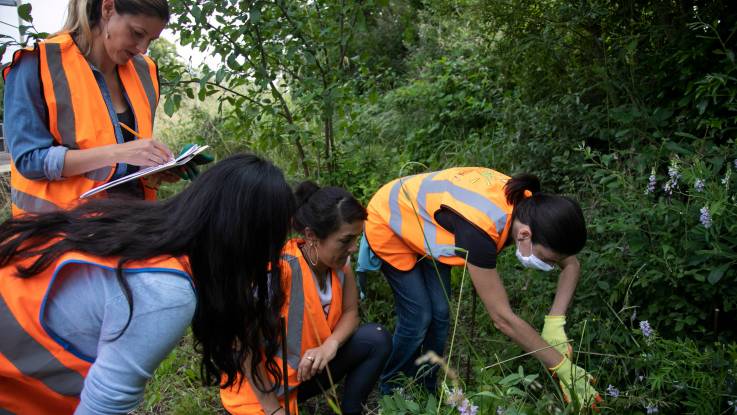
(617, 315)
(523, 355)
(453, 335)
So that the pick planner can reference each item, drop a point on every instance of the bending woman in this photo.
(324, 342)
(68, 98)
(420, 226)
(93, 299)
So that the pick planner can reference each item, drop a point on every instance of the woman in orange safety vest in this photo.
(420, 226)
(94, 298)
(69, 99)
(324, 342)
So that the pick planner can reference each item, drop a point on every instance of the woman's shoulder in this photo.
(24, 65)
(159, 288)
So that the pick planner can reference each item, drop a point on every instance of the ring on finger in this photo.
(310, 358)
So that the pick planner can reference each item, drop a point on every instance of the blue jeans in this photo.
(421, 304)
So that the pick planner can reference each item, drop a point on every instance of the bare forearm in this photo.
(344, 329)
(567, 283)
(78, 162)
(491, 290)
(268, 401)
(524, 335)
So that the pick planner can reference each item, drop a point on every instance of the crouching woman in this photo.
(320, 307)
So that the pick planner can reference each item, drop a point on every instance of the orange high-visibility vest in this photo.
(307, 327)
(78, 119)
(401, 225)
(38, 374)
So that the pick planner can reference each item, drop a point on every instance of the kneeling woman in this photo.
(321, 314)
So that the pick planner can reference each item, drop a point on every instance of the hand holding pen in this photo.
(144, 152)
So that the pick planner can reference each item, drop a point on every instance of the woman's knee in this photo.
(415, 325)
(441, 313)
(379, 338)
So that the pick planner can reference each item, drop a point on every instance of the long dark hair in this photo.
(231, 222)
(555, 221)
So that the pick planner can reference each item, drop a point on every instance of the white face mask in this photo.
(532, 261)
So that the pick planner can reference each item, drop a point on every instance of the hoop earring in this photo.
(317, 255)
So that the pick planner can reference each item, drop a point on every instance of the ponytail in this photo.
(520, 187)
(83, 16)
(304, 192)
(325, 209)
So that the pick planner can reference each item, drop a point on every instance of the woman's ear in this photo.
(310, 235)
(107, 9)
(523, 232)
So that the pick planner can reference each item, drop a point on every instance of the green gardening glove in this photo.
(554, 333)
(576, 384)
(189, 171)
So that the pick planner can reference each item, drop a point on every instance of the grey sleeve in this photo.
(163, 308)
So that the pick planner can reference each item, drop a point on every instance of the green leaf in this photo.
(432, 405)
(220, 75)
(196, 12)
(24, 12)
(169, 106)
(413, 406)
(255, 16)
(717, 273)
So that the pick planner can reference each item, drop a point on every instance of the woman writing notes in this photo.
(77, 103)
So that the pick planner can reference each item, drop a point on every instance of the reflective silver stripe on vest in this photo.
(295, 320)
(429, 186)
(63, 96)
(142, 69)
(30, 203)
(296, 313)
(32, 359)
(99, 175)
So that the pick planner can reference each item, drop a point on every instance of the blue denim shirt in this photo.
(31, 145)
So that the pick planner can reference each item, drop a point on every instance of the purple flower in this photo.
(467, 408)
(699, 185)
(455, 398)
(668, 188)
(651, 183)
(612, 391)
(674, 174)
(647, 331)
(705, 217)
(652, 409)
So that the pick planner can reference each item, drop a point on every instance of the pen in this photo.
(130, 130)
